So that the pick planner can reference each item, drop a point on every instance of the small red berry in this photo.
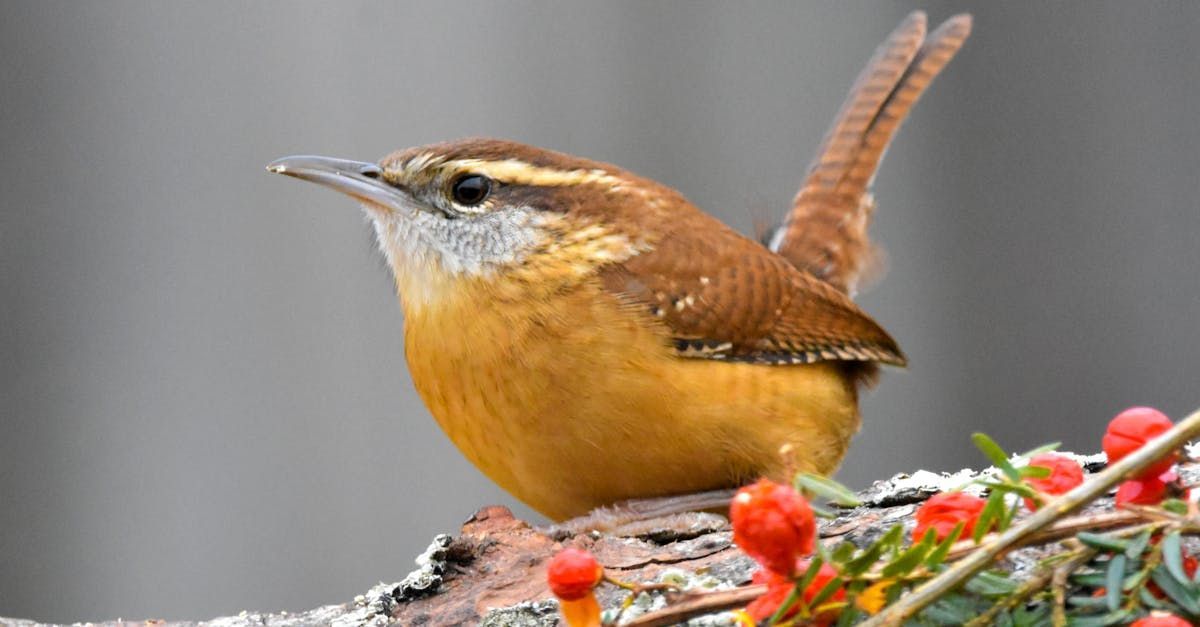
(1130, 430)
(779, 586)
(1141, 492)
(773, 524)
(1152, 491)
(1160, 619)
(943, 511)
(1065, 475)
(573, 573)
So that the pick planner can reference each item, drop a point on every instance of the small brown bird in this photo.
(586, 335)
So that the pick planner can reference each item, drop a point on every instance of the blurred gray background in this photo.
(204, 405)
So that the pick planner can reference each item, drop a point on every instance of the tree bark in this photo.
(493, 572)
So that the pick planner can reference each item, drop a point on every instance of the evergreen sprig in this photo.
(1100, 569)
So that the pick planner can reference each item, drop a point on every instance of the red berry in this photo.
(1152, 491)
(1160, 619)
(779, 586)
(573, 573)
(1065, 475)
(1130, 430)
(943, 511)
(1141, 492)
(773, 524)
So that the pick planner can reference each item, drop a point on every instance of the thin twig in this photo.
(967, 567)
(634, 590)
(1058, 585)
(1058, 616)
(698, 605)
(1152, 562)
(1064, 528)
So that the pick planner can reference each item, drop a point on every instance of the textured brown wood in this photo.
(825, 232)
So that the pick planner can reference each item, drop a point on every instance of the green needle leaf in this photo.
(1091, 580)
(995, 454)
(1138, 545)
(910, 559)
(1113, 578)
(1172, 554)
(939, 554)
(871, 554)
(849, 616)
(792, 598)
(1137, 579)
(1087, 602)
(843, 552)
(1120, 617)
(1016, 488)
(1149, 600)
(947, 611)
(991, 584)
(827, 489)
(827, 591)
(1103, 542)
(1175, 506)
(1007, 516)
(1185, 596)
(1034, 472)
(811, 573)
(990, 514)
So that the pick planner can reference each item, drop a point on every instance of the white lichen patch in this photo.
(375, 607)
(905, 488)
(539, 614)
(920, 485)
(321, 616)
(428, 576)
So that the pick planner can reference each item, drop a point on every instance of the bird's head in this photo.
(492, 211)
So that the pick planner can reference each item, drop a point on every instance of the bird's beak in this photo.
(361, 180)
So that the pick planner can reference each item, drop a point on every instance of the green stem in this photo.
(1058, 587)
(792, 598)
(1099, 485)
(1144, 577)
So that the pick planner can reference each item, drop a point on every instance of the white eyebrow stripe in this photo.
(517, 172)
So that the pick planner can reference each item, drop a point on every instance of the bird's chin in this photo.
(377, 212)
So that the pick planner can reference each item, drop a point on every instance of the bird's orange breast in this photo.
(570, 400)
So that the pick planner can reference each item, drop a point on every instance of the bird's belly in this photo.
(583, 404)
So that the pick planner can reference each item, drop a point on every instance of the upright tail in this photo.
(825, 232)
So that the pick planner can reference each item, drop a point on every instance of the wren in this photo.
(585, 335)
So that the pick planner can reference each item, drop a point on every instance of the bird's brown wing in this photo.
(825, 233)
(722, 296)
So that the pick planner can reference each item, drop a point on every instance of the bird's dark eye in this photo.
(471, 189)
